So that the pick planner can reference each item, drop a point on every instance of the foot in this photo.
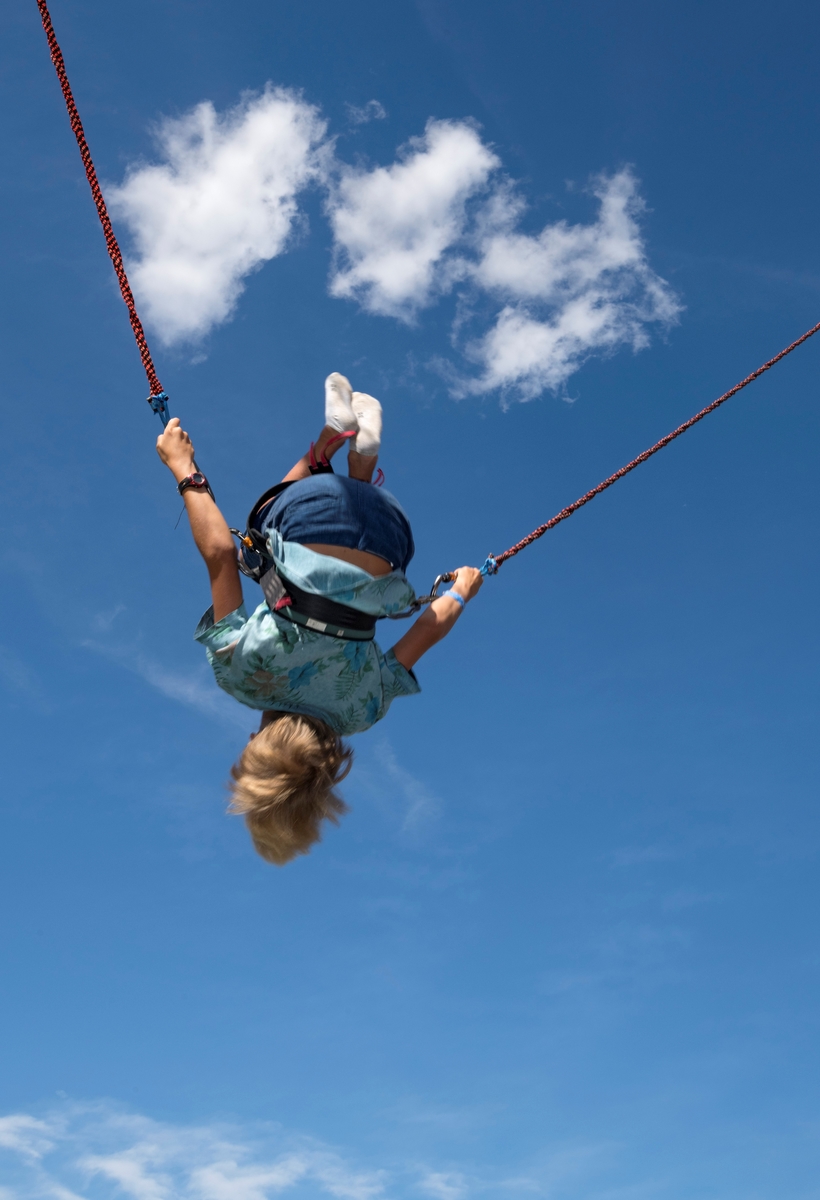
(339, 414)
(368, 413)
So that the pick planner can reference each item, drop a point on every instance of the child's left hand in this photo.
(467, 581)
(176, 449)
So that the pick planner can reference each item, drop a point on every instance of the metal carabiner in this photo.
(420, 601)
(447, 577)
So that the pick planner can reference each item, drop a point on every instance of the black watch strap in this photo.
(197, 481)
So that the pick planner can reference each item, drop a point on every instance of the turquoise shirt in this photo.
(268, 662)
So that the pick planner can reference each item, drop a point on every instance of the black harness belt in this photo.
(316, 612)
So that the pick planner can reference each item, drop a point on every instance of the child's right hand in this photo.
(176, 449)
(467, 581)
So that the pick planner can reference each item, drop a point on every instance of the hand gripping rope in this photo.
(158, 399)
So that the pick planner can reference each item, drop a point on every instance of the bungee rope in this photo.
(494, 561)
(158, 398)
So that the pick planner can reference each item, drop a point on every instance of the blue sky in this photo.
(565, 943)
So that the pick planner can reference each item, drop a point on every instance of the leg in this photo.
(364, 449)
(301, 469)
(360, 466)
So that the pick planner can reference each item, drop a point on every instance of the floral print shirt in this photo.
(268, 662)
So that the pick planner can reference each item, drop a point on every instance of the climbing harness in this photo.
(253, 556)
(158, 399)
(256, 561)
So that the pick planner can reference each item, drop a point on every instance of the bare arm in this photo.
(210, 529)
(438, 620)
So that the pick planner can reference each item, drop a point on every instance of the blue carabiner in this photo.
(159, 404)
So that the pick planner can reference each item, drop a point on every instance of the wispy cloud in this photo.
(374, 110)
(70, 1153)
(196, 689)
(444, 1185)
(103, 621)
(396, 782)
(26, 1135)
(222, 200)
(92, 1151)
(419, 801)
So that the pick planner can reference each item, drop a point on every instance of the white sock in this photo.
(369, 416)
(339, 414)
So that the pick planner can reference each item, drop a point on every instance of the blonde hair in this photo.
(283, 784)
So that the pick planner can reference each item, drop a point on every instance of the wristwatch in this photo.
(198, 481)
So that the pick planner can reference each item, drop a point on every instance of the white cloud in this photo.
(444, 1185)
(532, 306)
(151, 1160)
(569, 291)
(222, 202)
(96, 1151)
(361, 115)
(25, 1134)
(417, 796)
(394, 225)
(563, 259)
(406, 234)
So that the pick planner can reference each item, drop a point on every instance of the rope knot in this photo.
(159, 403)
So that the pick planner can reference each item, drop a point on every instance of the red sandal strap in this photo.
(323, 461)
(338, 437)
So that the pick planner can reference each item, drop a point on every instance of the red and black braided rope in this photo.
(110, 237)
(495, 560)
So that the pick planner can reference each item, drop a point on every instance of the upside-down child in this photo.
(330, 553)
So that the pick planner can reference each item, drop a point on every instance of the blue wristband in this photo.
(455, 596)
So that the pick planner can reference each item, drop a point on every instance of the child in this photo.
(330, 553)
